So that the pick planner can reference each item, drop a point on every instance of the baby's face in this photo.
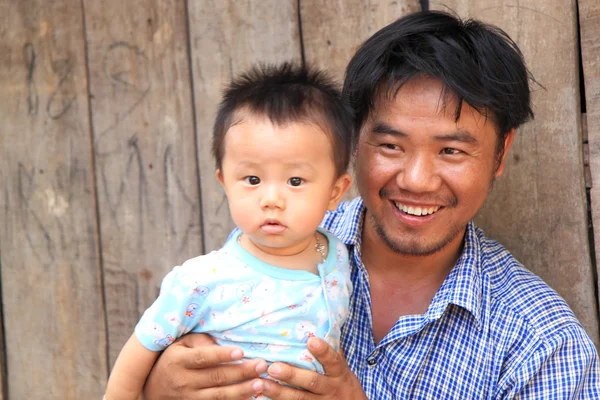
(279, 180)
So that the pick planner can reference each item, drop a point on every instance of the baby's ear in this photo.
(339, 189)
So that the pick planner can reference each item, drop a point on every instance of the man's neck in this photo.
(402, 284)
(405, 270)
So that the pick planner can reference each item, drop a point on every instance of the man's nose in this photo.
(419, 175)
(272, 197)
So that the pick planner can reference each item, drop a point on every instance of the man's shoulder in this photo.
(519, 294)
(534, 331)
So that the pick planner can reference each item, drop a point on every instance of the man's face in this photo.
(422, 175)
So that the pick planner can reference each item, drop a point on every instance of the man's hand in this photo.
(338, 382)
(192, 368)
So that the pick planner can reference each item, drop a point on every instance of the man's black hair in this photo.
(476, 62)
(287, 93)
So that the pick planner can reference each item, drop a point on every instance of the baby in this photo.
(282, 143)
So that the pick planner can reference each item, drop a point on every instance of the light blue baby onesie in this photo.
(270, 312)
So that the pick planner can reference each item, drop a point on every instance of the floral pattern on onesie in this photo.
(269, 311)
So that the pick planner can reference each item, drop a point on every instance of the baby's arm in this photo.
(130, 371)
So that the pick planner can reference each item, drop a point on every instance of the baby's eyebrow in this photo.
(300, 166)
(247, 161)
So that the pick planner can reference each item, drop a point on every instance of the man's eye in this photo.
(449, 151)
(252, 180)
(295, 181)
(390, 146)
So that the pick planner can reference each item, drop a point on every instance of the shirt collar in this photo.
(462, 287)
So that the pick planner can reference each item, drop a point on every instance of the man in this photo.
(438, 310)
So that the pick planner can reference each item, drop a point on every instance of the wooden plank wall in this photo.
(589, 20)
(144, 144)
(107, 178)
(3, 388)
(53, 307)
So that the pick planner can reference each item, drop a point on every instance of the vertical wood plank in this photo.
(589, 20)
(227, 37)
(538, 208)
(332, 32)
(146, 165)
(51, 282)
(3, 386)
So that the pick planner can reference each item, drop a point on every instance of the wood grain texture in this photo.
(3, 383)
(538, 208)
(51, 282)
(146, 165)
(227, 37)
(332, 31)
(589, 20)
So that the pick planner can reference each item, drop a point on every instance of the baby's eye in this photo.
(252, 180)
(295, 181)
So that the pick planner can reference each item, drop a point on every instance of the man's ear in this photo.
(508, 140)
(339, 189)
(219, 175)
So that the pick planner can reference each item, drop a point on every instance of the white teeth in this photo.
(417, 210)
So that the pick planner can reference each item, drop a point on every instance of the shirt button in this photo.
(371, 361)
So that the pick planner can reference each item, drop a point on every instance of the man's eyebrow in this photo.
(384, 129)
(458, 136)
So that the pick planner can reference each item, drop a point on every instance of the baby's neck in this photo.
(303, 256)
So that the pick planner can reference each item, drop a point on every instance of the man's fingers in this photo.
(210, 356)
(227, 374)
(240, 391)
(302, 378)
(333, 363)
(275, 391)
(202, 351)
(192, 340)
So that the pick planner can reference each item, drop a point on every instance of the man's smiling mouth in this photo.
(418, 211)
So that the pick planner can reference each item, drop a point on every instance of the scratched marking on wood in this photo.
(51, 287)
(146, 164)
(589, 19)
(333, 31)
(227, 37)
(538, 208)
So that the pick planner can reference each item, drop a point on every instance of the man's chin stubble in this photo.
(411, 250)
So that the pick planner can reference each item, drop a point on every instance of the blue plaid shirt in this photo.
(493, 331)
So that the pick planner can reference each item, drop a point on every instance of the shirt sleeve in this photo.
(178, 309)
(564, 367)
